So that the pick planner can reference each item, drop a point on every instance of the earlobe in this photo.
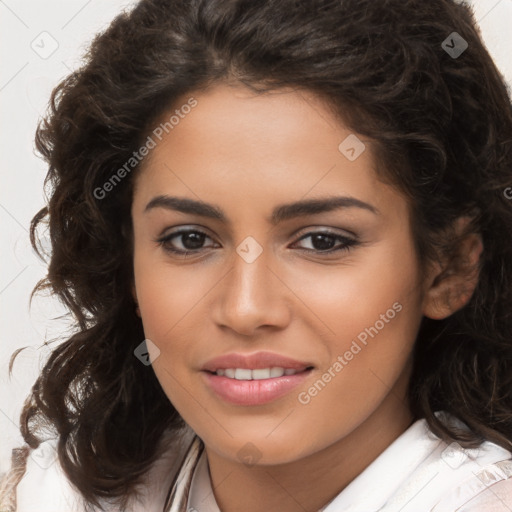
(451, 287)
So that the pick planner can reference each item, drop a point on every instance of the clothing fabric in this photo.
(37, 483)
(418, 472)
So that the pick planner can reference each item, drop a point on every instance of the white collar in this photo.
(201, 494)
(366, 492)
(417, 472)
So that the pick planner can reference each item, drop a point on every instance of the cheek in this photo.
(366, 333)
(363, 293)
(366, 360)
(373, 338)
(168, 299)
(370, 313)
(167, 294)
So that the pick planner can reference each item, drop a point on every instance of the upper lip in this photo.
(254, 361)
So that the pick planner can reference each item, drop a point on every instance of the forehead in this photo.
(277, 145)
(237, 119)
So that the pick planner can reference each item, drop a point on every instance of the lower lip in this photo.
(254, 392)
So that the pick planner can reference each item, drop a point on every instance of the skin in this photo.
(247, 154)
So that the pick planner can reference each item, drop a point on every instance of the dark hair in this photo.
(441, 125)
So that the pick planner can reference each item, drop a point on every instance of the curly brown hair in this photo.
(442, 126)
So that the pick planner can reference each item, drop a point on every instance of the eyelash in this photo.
(347, 244)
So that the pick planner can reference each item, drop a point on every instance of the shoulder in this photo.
(487, 482)
(495, 497)
(433, 475)
(36, 481)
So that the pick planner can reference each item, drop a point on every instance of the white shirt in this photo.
(417, 473)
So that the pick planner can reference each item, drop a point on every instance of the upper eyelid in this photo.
(329, 231)
(303, 231)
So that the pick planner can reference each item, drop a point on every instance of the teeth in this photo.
(276, 372)
(256, 374)
(261, 373)
(243, 374)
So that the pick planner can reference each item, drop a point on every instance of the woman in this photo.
(284, 231)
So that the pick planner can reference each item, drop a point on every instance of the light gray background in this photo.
(40, 43)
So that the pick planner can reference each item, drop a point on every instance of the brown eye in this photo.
(327, 242)
(184, 241)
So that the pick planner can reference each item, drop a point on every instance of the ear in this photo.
(451, 283)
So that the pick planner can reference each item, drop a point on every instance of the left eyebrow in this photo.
(315, 206)
(279, 214)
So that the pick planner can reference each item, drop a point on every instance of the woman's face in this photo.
(275, 274)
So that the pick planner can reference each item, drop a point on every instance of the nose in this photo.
(252, 297)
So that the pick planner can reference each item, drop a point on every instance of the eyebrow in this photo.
(279, 214)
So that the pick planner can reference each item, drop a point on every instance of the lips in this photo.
(254, 379)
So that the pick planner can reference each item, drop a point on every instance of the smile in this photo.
(255, 374)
